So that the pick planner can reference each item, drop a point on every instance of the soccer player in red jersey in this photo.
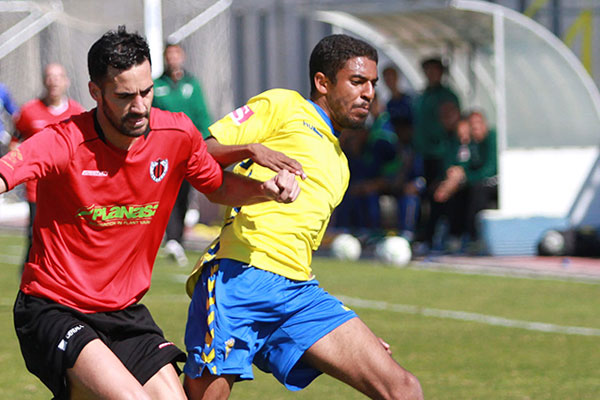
(107, 181)
(38, 113)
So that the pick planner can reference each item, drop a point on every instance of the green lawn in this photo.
(453, 359)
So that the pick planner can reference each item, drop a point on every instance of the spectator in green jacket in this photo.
(478, 176)
(178, 91)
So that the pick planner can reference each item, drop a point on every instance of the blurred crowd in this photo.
(423, 168)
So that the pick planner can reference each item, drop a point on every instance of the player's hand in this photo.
(456, 173)
(275, 160)
(283, 187)
(385, 345)
(445, 190)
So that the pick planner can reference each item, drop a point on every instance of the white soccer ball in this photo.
(394, 250)
(346, 247)
(552, 244)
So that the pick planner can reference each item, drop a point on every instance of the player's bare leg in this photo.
(354, 355)
(99, 374)
(209, 387)
(165, 385)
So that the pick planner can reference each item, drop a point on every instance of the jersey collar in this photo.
(325, 117)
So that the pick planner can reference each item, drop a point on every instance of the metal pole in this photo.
(499, 60)
(556, 18)
(154, 34)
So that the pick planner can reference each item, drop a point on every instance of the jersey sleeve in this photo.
(203, 172)
(251, 123)
(46, 153)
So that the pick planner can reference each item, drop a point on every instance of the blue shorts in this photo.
(240, 315)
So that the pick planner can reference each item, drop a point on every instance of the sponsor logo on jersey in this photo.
(312, 127)
(241, 115)
(12, 158)
(228, 346)
(158, 169)
(92, 172)
(65, 341)
(160, 91)
(118, 215)
(186, 90)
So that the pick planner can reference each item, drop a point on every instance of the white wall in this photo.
(543, 182)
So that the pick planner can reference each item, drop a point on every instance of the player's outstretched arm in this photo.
(260, 154)
(238, 190)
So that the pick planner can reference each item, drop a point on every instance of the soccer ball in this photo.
(394, 250)
(346, 247)
(552, 244)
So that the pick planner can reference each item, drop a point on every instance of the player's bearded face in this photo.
(130, 124)
(350, 97)
(127, 98)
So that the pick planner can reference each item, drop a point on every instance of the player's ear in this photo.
(95, 91)
(321, 83)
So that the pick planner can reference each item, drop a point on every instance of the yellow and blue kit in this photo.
(254, 298)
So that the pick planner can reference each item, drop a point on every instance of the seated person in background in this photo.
(449, 117)
(479, 174)
(452, 191)
(482, 171)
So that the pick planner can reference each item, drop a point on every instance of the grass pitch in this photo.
(453, 358)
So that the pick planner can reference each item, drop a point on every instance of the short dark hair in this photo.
(433, 62)
(331, 53)
(172, 44)
(118, 49)
(391, 68)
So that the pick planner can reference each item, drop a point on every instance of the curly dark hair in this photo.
(331, 53)
(118, 49)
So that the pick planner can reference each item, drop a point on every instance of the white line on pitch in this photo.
(11, 259)
(468, 316)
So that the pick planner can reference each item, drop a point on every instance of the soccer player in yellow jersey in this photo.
(254, 299)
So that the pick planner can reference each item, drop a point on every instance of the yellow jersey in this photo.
(272, 236)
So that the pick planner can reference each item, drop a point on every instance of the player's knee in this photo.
(207, 387)
(408, 389)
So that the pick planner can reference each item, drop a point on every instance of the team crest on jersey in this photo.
(240, 115)
(158, 169)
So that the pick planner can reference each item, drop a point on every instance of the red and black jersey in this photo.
(102, 211)
(35, 116)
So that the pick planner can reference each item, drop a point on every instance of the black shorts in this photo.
(52, 336)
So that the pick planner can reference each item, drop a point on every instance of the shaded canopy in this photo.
(525, 79)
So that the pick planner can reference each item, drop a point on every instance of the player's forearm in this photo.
(226, 155)
(238, 190)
